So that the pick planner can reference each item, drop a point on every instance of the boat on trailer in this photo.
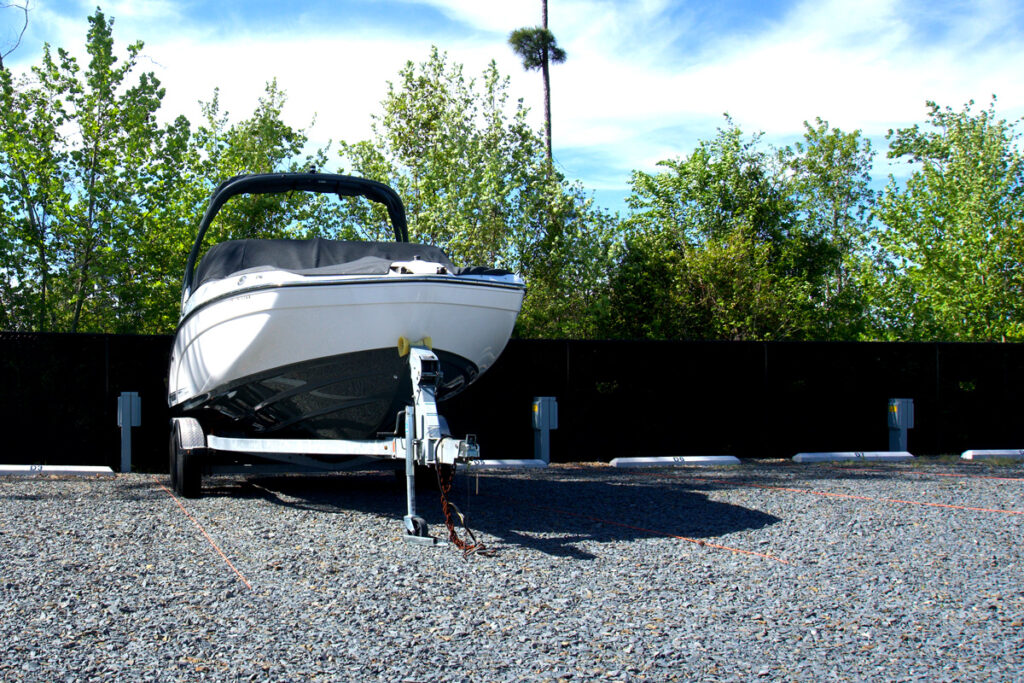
(307, 354)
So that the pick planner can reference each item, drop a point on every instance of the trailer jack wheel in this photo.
(416, 531)
(415, 525)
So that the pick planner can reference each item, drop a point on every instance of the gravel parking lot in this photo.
(766, 571)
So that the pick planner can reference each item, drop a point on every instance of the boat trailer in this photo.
(425, 443)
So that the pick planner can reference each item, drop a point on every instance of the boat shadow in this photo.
(564, 514)
(556, 512)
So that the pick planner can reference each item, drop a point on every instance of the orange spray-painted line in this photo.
(854, 497)
(196, 522)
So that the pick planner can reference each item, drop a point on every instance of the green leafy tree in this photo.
(476, 182)
(78, 161)
(565, 262)
(744, 241)
(32, 196)
(720, 235)
(261, 143)
(99, 204)
(449, 152)
(830, 174)
(953, 237)
(217, 150)
(538, 49)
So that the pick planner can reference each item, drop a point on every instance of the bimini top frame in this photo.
(276, 183)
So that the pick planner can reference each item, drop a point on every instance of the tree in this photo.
(954, 235)
(261, 143)
(538, 49)
(99, 204)
(445, 145)
(716, 249)
(476, 182)
(14, 42)
(32, 193)
(830, 173)
(217, 150)
(78, 159)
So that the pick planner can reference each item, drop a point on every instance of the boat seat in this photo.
(320, 257)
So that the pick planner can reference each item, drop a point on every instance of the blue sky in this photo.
(645, 80)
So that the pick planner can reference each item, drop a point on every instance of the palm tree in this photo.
(537, 47)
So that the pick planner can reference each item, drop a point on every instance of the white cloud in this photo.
(636, 87)
(858, 65)
(325, 77)
(335, 74)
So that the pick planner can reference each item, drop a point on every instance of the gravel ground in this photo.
(766, 571)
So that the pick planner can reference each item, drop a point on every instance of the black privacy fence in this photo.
(58, 398)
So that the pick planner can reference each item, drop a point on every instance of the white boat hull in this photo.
(275, 351)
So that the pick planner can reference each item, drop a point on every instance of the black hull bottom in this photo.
(351, 396)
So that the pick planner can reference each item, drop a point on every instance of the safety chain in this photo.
(445, 478)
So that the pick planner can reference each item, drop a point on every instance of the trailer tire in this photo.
(186, 453)
(174, 447)
(191, 475)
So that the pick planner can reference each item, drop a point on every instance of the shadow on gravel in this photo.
(370, 492)
(552, 513)
(603, 508)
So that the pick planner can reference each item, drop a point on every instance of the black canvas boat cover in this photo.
(320, 257)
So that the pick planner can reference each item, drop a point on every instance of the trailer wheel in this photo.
(187, 447)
